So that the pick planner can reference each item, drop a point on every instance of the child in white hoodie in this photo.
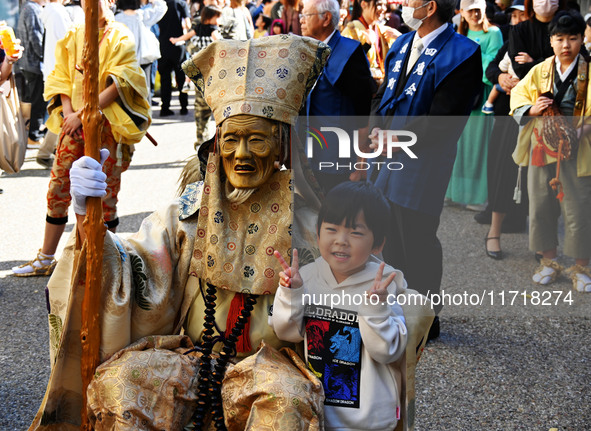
(343, 306)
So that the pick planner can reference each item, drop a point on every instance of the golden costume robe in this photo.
(148, 290)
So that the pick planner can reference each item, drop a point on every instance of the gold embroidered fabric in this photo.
(234, 244)
(141, 295)
(149, 385)
(273, 391)
(267, 77)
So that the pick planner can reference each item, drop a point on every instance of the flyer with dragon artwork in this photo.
(334, 353)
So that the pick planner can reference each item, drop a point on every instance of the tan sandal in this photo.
(29, 269)
(540, 278)
(579, 283)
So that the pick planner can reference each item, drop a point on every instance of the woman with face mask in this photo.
(529, 41)
(468, 181)
(375, 37)
(529, 44)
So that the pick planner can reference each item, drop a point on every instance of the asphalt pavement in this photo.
(520, 363)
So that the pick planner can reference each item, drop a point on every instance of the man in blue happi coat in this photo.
(431, 72)
(342, 95)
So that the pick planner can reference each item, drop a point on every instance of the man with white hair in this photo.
(430, 72)
(345, 87)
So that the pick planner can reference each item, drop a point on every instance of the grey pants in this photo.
(544, 209)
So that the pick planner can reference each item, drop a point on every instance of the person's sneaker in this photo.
(581, 278)
(547, 272)
(46, 163)
(32, 145)
(488, 108)
(184, 111)
(42, 265)
(186, 87)
(166, 113)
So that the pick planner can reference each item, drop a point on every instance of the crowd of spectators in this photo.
(505, 77)
(512, 37)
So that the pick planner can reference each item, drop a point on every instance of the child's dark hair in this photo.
(346, 200)
(267, 20)
(210, 12)
(567, 22)
(278, 23)
(128, 4)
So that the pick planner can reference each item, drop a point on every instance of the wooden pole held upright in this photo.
(94, 226)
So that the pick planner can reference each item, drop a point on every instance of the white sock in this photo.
(44, 260)
(488, 104)
(583, 282)
(544, 276)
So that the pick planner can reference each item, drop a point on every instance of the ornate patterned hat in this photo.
(268, 77)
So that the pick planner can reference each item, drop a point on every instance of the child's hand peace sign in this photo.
(290, 276)
(380, 287)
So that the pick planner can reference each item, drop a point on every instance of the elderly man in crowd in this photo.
(431, 71)
(345, 87)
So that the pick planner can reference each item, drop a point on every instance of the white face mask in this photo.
(545, 8)
(408, 16)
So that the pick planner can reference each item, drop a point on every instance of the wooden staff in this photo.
(90, 335)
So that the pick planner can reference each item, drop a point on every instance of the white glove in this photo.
(87, 179)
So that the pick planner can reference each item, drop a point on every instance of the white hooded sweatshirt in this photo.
(351, 345)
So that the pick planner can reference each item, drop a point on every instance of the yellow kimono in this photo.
(356, 30)
(538, 81)
(130, 117)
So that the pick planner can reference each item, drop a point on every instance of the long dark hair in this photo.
(357, 10)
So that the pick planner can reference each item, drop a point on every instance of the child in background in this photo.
(517, 11)
(352, 348)
(126, 117)
(506, 67)
(202, 32)
(557, 80)
(277, 27)
(262, 26)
